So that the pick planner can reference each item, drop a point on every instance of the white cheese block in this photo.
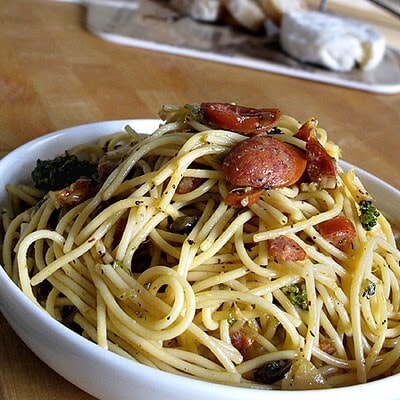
(201, 10)
(275, 9)
(246, 12)
(337, 43)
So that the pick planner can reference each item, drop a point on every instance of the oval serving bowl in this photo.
(108, 376)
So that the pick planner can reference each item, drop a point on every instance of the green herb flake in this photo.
(368, 214)
(297, 295)
(369, 288)
(60, 172)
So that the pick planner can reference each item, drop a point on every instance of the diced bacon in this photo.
(188, 184)
(326, 345)
(76, 193)
(241, 341)
(284, 248)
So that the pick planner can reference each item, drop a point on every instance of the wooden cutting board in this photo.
(150, 24)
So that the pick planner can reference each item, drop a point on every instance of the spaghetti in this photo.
(156, 267)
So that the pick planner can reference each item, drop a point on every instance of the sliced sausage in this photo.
(321, 167)
(263, 162)
(338, 231)
(307, 130)
(250, 121)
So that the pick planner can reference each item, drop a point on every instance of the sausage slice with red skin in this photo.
(307, 130)
(263, 162)
(245, 120)
(339, 231)
(321, 168)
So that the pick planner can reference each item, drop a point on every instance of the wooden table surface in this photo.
(54, 74)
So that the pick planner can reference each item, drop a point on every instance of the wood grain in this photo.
(54, 74)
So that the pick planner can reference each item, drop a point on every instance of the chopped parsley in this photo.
(368, 214)
(61, 171)
(297, 295)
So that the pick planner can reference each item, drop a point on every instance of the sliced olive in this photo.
(272, 372)
(183, 224)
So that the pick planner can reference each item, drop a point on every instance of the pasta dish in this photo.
(228, 245)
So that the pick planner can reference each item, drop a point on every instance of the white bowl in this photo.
(106, 375)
